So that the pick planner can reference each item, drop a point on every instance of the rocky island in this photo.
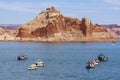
(51, 25)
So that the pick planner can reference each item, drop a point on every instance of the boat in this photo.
(35, 65)
(32, 67)
(92, 63)
(89, 66)
(101, 57)
(22, 57)
(96, 61)
(39, 63)
(113, 42)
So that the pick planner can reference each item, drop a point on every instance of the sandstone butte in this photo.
(51, 25)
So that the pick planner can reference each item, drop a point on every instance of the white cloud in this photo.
(113, 1)
(32, 7)
(116, 8)
(15, 6)
(64, 7)
(35, 7)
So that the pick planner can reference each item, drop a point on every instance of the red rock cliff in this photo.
(52, 23)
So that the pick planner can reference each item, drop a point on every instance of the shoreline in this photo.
(75, 40)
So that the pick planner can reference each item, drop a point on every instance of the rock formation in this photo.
(51, 24)
(86, 27)
(6, 35)
(114, 29)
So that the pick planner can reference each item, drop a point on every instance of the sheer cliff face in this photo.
(51, 23)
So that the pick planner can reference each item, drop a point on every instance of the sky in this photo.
(22, 11)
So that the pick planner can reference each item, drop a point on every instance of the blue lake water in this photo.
(63, 61)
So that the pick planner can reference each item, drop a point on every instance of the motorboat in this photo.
(89, 66)
(94, 61)
(32, 67)
(39, 63)
(101, 57)
(35, 65)
(22, 57)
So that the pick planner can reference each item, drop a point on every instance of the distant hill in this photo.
(9, 26)
(111, 26)
(114, 28)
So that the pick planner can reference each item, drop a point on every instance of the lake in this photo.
(63, 61)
